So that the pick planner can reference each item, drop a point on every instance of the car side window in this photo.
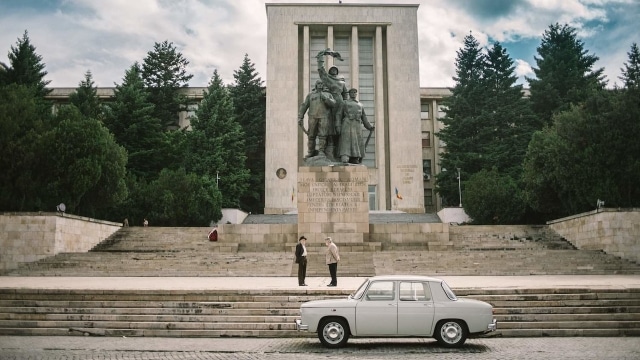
(381, 291)
(415, 291)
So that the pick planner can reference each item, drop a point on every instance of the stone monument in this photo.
(333, 201)
(333, 197)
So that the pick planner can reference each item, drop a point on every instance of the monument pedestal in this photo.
(333, 201)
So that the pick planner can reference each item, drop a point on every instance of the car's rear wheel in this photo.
(333, 332)
(451, 333)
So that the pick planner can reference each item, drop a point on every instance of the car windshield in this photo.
(448, 291)
(358, 293)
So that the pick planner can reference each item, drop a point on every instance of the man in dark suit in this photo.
(301, 260)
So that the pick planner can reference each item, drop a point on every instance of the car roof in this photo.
(405, 277)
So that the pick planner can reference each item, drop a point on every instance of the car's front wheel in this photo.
(451, 333)
(333, 333)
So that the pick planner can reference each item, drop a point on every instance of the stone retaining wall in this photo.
(614, 231)
(29, 237)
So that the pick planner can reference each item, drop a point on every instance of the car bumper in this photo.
(300, 326)
(492, 326)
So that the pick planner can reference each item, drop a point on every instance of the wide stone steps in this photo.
(271, 313)
(503, 262)
(493, 262)
(186, 251)
(564, 312)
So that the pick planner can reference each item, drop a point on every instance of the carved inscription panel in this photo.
(408, 172)
(332, 196)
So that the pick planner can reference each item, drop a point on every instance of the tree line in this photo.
(522, 159)
(553, 153)
(128, 157)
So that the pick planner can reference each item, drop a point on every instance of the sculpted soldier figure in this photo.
(335, 84)
(348, 126)
(319, 103)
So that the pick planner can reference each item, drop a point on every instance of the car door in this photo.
(415, 308)
(377, 311)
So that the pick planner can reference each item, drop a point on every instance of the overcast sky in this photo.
(108, 36)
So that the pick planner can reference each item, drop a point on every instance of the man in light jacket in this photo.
(332, 258)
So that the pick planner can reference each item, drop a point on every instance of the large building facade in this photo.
(379, 48)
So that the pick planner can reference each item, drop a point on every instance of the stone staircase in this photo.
(158, 252)
(271, 313)
(503, 262)
(563, 312)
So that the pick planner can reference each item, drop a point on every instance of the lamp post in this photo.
(459, 188)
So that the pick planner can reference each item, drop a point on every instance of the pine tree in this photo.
(164, 71)
(564, 75)
(631, 70)
(249, 101)
(130, 118)
(85, 98)
(216, 143)
(463, 109)
(22, 124)
(26, 67)
(507, 122)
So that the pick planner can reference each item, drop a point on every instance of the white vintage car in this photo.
(398, 306)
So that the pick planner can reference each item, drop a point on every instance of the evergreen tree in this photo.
(631, 70)
(463, 109)
(216, 144)
(26, 67)
(130, 119)
(564, 75)
(23, 121)
(85, 98)
(164, 71)
(507, 122)
(249, 102)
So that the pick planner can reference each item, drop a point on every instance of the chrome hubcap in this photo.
(451, 332)
(333, 332)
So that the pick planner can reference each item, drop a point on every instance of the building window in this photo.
(343, 46)
(426, 170)
(428, 197)
(424, 111)
(426, 139)
(366, 95)
(373, 204)
(316, 44)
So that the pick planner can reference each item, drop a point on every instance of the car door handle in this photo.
(393, 304)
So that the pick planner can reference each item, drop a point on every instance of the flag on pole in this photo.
(398, 194)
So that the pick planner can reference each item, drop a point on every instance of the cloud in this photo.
(523, 68)
(107, 37)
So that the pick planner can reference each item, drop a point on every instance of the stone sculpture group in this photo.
(335, 117)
